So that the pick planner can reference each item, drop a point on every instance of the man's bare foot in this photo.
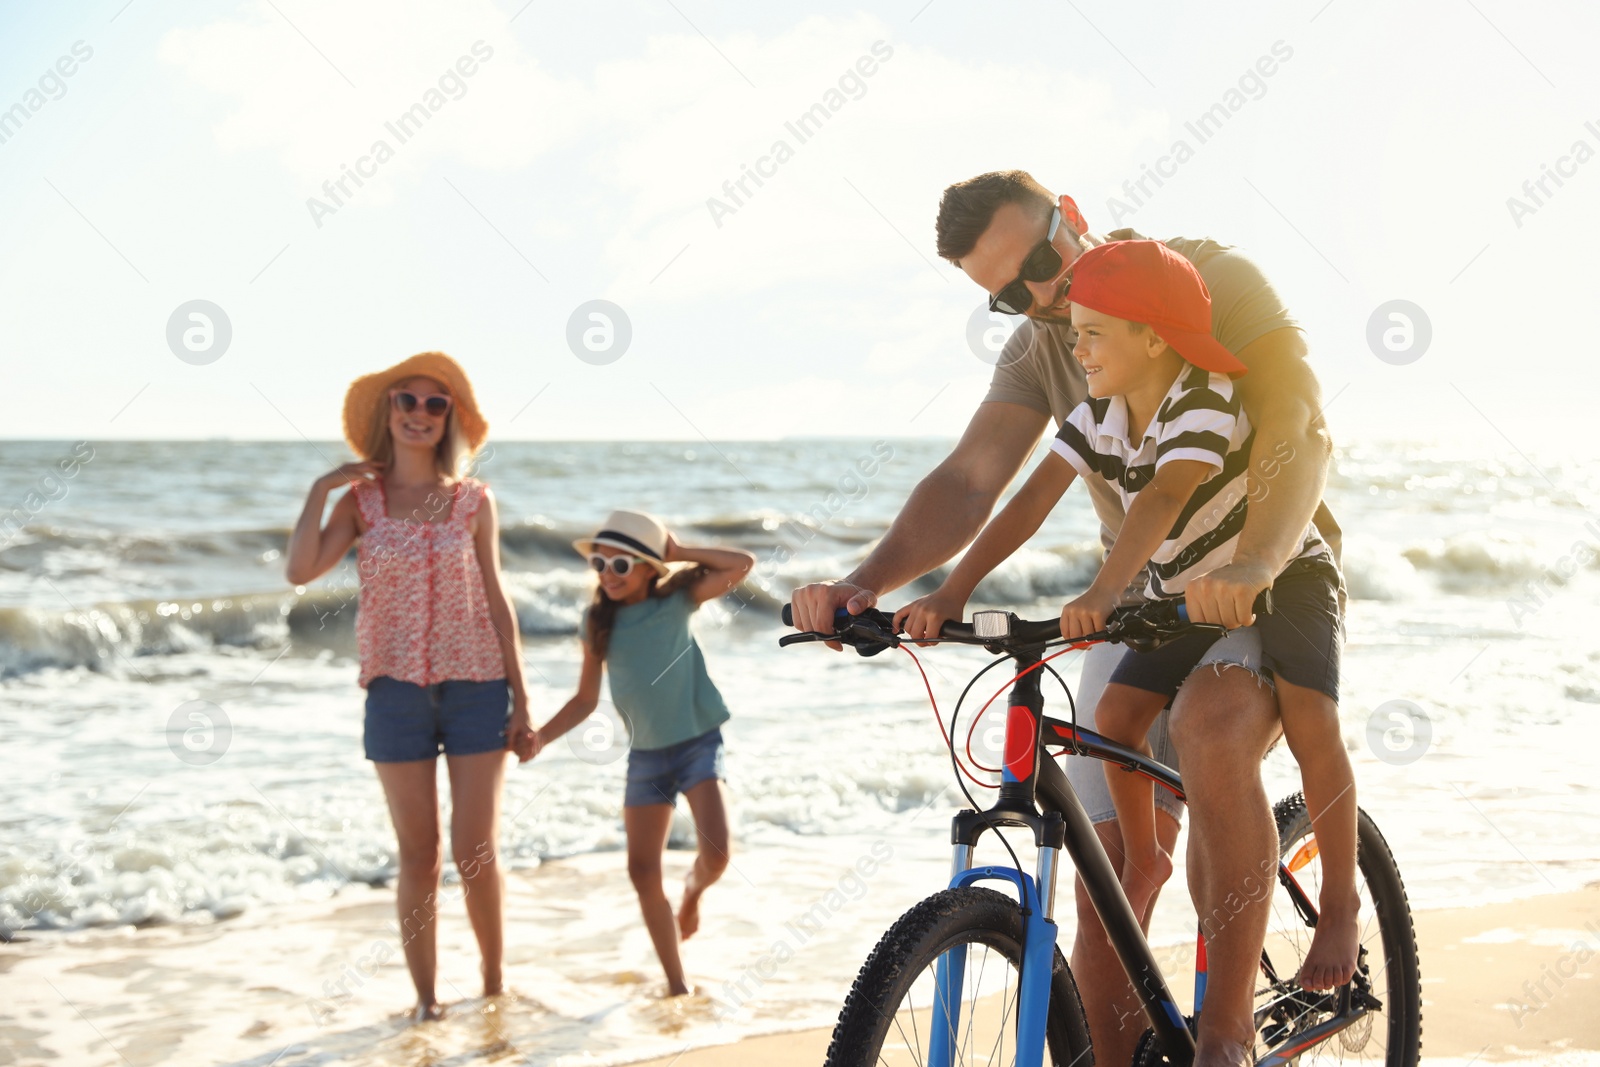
(427, 1013)
(689, 910)
(1332, 958)
(1142, 876)
(1221, 1052)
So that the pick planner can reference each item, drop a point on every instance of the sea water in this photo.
(185, 728)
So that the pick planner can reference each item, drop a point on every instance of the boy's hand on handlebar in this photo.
(813, 606)
(924, 617)
(1226, 596)
(1087, 614)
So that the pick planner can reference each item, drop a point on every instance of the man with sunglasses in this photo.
(1018, 242)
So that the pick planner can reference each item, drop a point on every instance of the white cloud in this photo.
(291, 95)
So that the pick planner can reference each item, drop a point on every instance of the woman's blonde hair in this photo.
(452, 455)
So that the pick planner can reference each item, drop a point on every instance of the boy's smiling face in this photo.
(1117, 356)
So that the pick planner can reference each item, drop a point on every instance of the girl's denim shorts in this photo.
(658, 775)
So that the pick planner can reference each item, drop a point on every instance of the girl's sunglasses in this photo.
(1042, 264)
(621, 566)
(435, 404)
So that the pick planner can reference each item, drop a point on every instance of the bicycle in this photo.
(939, 951)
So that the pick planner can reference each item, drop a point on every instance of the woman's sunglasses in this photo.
(435, 404)
(621, 566)
(1042, 264)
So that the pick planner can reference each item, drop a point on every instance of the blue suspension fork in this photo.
(1038, 961)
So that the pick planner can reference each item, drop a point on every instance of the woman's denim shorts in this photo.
(406, 721)
(658, 775)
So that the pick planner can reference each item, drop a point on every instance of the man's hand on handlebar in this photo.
(922, 619)
(815, 605)
(1087, 614)
(1225, 597)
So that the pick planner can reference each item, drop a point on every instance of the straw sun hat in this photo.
(634, 532)
(361, 403)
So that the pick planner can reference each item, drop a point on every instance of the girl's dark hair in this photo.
(602, 613)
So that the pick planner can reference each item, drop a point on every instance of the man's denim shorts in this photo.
(658, 775)
(406, 721)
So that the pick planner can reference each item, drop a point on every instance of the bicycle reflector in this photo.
(991, 625)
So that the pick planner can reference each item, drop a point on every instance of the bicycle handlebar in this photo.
(1142, 627)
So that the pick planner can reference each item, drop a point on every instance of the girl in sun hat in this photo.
(440, 653)
(638, 626)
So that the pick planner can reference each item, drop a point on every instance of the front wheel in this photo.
(888, 1015)
(1388, 974)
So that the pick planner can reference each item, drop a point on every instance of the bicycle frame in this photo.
(1025, 773)
(1026, 776)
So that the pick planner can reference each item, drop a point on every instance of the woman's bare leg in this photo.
(411, 788)
(475, 786)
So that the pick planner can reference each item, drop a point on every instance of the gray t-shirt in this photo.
(1036, 368)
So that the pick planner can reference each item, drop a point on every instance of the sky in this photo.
(1371, 153)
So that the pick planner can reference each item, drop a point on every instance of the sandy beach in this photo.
(1503, 982)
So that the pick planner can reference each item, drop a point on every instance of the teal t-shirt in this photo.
(658, 675)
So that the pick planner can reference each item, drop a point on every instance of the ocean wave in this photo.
(1476, 562)
(105, 636)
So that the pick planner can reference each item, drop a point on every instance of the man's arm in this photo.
(943, 514)
(1288, 469)
(1008, 531)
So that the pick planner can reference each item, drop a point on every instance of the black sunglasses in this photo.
(1041, 264)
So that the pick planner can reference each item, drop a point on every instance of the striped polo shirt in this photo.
(1199, 419)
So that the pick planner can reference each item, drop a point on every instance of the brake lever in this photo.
(801, 638)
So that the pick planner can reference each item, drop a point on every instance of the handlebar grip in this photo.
(788, 615)
(1262, 605)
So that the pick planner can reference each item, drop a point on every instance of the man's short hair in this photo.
(966, 208)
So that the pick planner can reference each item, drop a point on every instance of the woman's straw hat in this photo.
(634, 532)
(361, 402)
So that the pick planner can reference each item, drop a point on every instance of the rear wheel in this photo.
(888, 1015)
(1387, 979)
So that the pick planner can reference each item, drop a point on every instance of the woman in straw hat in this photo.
(638, 628)
(441, 656)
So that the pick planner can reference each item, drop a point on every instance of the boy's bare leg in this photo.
(1311, 728)
(1125, 714)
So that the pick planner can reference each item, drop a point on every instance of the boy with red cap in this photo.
(1163, 426)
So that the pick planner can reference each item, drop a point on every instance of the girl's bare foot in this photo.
(1142, 876)
(689, 910)
(427, 1013)
(1332, 958)
(493, 984)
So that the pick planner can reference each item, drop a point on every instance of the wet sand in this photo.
(1513, 981)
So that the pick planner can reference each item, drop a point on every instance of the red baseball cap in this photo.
(1145, 281)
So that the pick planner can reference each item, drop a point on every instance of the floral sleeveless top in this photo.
(423, 617)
